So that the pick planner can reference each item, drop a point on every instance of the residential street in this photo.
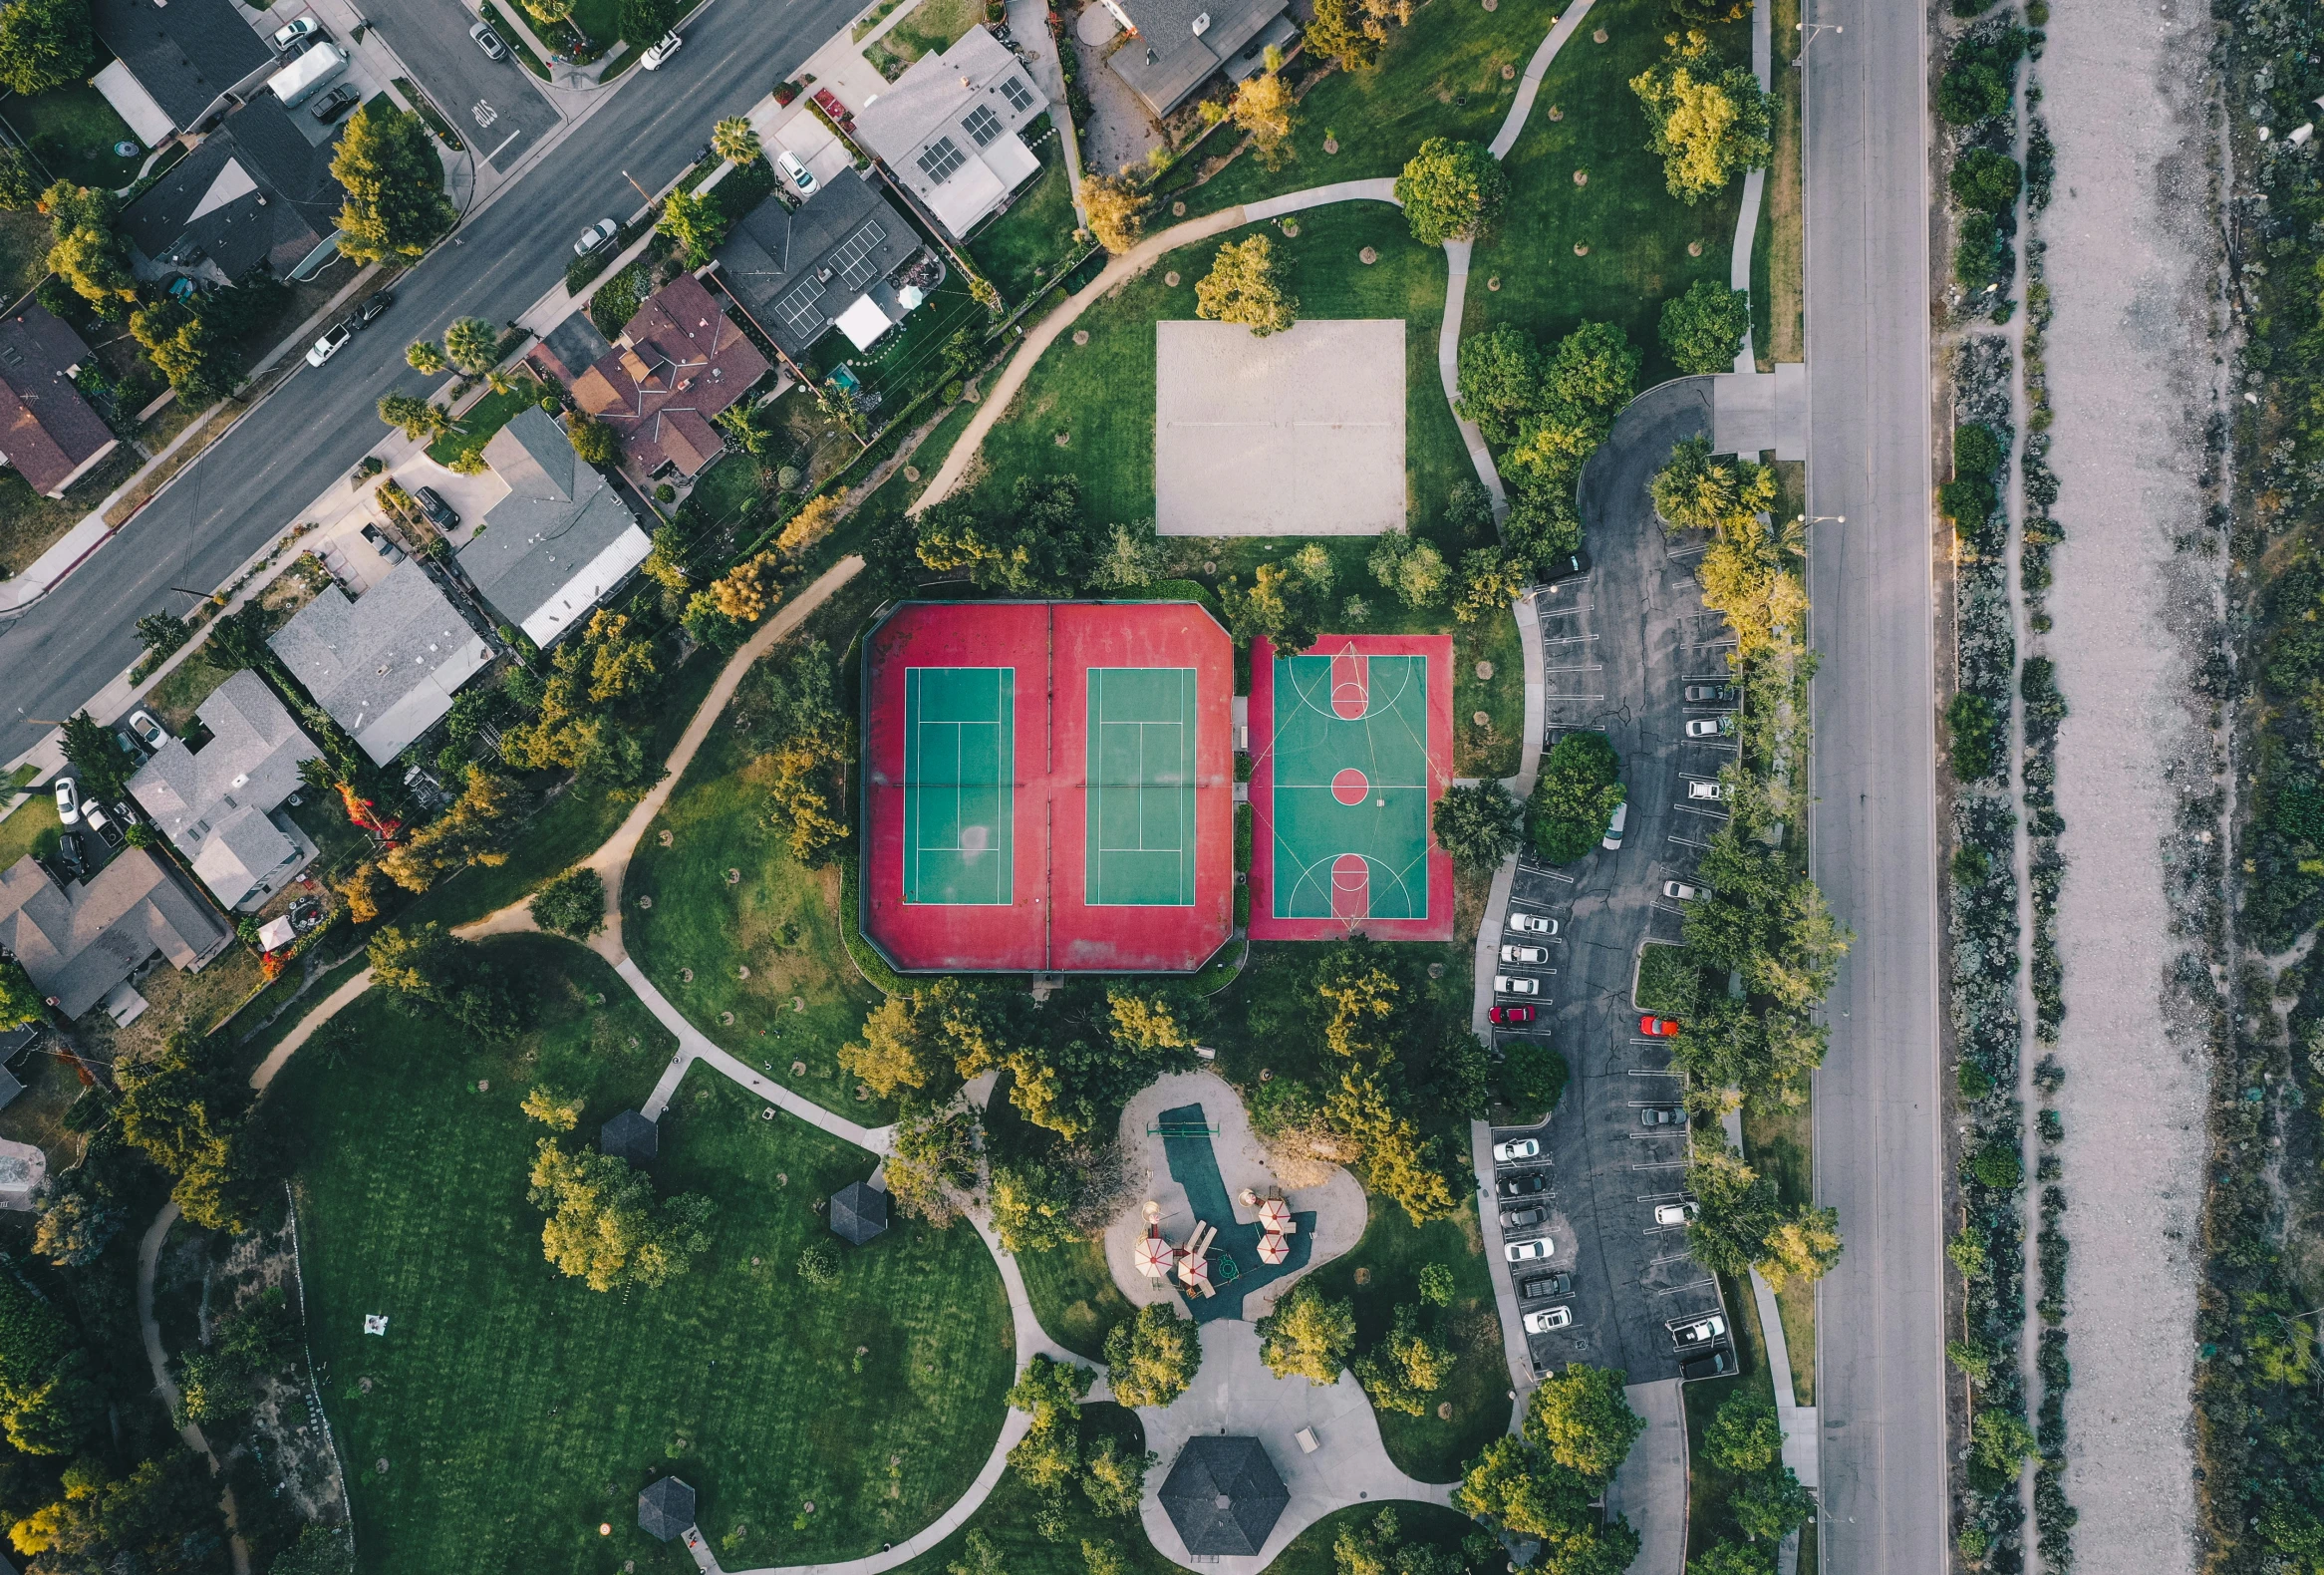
(247, 489)
(497, 106)
(1881, 1384)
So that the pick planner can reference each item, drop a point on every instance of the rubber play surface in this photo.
(1193, 1165)
(1354, 747)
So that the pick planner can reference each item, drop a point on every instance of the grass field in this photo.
(1074, 1295)
(30, 523)
(180, 693)
(1708, 1516)
(34, 829)
(780, 921)
(1022, 250)
(1781, 224)
(930, 27)
(1782, 1145)
(517, 1409)
(72, 132)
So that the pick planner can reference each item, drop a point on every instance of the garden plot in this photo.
(1298, 434)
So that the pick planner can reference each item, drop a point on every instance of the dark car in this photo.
(1510, 1014)
(336, 102)
(1661, 1115)
(1546, 1285)
(369, 308)
(1709, 694)
(1522, 1218)
(1566, 566)
(1525, 1186)
(1717, 1363)
(436, 509)
(74, 853)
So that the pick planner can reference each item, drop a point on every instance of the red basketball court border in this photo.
(1348, 884)
(1050, 927)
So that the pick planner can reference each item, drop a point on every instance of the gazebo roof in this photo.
(859, 1211)
(630, 1137)
(666, 1508)
(1224, 1495)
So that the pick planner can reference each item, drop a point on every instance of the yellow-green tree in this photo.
(1117, 211)
(396, 206)
(603, 1226)
(1307, 1335)
(1708, 124)
(557, 1112)
(1246, 285)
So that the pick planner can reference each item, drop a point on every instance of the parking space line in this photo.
(1694, 1285)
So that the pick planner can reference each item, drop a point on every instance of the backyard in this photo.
(1021, 250)
(481, 419)
(929, 28)
(71, 133)
(517, 1409)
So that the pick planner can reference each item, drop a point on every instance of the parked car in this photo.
(1564, 566)
(381, 545)
(1613, 827)
(1709, 694)
(1545, 1285)
(103, 828)
(368, 310)
(488, 41)
(1658, 1116)
(1507, 984)
(1516, 1149)
(1658, 1028)
(1533, 924)
(1700, 1331)
(1673, 1213)
(800, 175)
(1704, 792)
(333, 341)
(1717, 1363)
(72, 853)
(1547, 1319)
(1525, 954)
(596, 235)
(1681, 891)
(141, 723)
(1532, 1184)
(68, 801)
(333, 104)
(1523, 1218)
(658, 53)
(1510, 1015)
(436, 509)
(1529, 1251)
(291, 33)
(1710, 727)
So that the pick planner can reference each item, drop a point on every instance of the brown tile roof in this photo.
(680, 362)
(47, 429)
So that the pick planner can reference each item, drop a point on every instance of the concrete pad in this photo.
(1650, 1488)
(1742, 413)
(1299, 433)
(1791, 410)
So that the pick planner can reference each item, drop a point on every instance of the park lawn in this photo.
(482, 419)
(803, 999)
(1636, 232)
(1384, 1271)
(517, 1408)
(1781, 1145)
(1022, 250)
(71, 131)
(1074, 1295)
(1709, 1518)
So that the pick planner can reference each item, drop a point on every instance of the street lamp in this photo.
(1822, 520)
(1808, 32)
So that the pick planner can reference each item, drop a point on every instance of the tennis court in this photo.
(959, 794)
(1356, 751)
(1141, 839)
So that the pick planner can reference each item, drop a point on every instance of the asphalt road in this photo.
(498, 110)
(1881, 1389)
(250, 484)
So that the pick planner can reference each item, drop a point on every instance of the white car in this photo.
(660, 52)
(801, 177)
(333, 341)
(1698, 1331)
(1613, 827)
(148, 731)
(1549, 1317)
(596, 235)
(1673, 1213)
(1533, 924)
(68, 801)
(1681, 891)
(1710, 727)
(1707, 793)
(285, 36)
(103, 828)
(1529, 1251)
(1514, 1149)
(1504, 984)
(1525, 954)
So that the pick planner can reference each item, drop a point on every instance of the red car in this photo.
(1658, 1028)
(1510, 1014)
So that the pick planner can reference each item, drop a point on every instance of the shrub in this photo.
(1533, 1076)
(1703, 329)
(1977, 730)
(819, 1266)
(1997, 1165)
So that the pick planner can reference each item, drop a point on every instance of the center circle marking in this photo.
(1350, 787)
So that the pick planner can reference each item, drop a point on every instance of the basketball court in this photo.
(1354, 747)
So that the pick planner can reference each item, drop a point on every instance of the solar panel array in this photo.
(981, 126)
(852, 261)
(1019, 97)
(801, 310)
(801, 307)
(941, 157)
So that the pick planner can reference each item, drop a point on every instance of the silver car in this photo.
(596, 235)
(1533, 924)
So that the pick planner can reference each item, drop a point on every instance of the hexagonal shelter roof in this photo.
(1224, 1495)
(666, 1508)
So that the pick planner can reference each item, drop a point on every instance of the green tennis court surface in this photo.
(960, 797)
(1142, 787)
(1351, 788)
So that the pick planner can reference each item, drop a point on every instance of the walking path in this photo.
(148, 1260)
(1754, 181)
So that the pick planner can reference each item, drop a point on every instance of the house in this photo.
(1180, 44)
(386, 666)
(562, 538)
(678, 363)
(799, 274)
(47, 429)
(949, 127)
(214, 792)
(254, 192)
(78, 942)
(174, 61)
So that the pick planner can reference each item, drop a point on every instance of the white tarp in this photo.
(864, 322)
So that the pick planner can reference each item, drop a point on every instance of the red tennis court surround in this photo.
(1048, 786)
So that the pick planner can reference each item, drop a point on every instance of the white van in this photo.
(801, 177)
(1613, 827)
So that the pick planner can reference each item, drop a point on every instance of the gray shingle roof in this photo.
(183, 54)
(775, 251)
(211, 202)
(1223, 1496)
(250, 761)
(243, 850)
(387, 666)
(559, 517)
(630, 1136)
(77, 942)
(859, 1211)
(666, 1508)
(1168, 60)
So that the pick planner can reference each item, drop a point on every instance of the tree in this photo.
(1703, 329)
(1436, 1284)
(415, 417)
(811, 523)
(1246, 285)
(1411, 568)
(978, 1554)
(320, 1550)
(572, 905)
(91, 259)
(1980, 80)
(1264, 107)
(84, 1207)
(894, 1051)
(1479, 826)
(1500, 381)
(1573, 797)
(1307, 1335)
(1735, 1208)
(1585, 382)
(1286, 602)
(1152, 1357)
(475, 830)
(1581, 1419)
(425, 355)
(733, 141)
(1511, 1487)
(1697, 490)
(1117, 211)
(185, 349)
(1805, 1244)
(1978, 733)
(933, 1161)
(559, 1113)
(1113, 1478)
(1772, 1504)
(594, 441)
(1130, 557)
(432, 971)
(1033, 1206)
(95, 758)
(1408, 1366)
(184, 1106)
(45, 44)
(1744, 1436)
(603, 1226)
(1451, 190)
(1998, 1442)
(161, 1517)
(1491, 579)
(471, 345)
(1050, 1452)
(1153, 1019)
(1102, 1558)
(19, 186)
(1986, 181)
(612, 660)
(396, 206)
(1708, 124)
(1043, 543)
(48, 1402)
(695, 221)
(1543, 528)
(162, 633)
(1732, 1558)
(1338, 33)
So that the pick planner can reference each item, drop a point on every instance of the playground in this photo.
(1352, 746)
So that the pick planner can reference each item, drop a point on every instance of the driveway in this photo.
(497, 105)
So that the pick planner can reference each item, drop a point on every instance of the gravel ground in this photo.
(2131, 260)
